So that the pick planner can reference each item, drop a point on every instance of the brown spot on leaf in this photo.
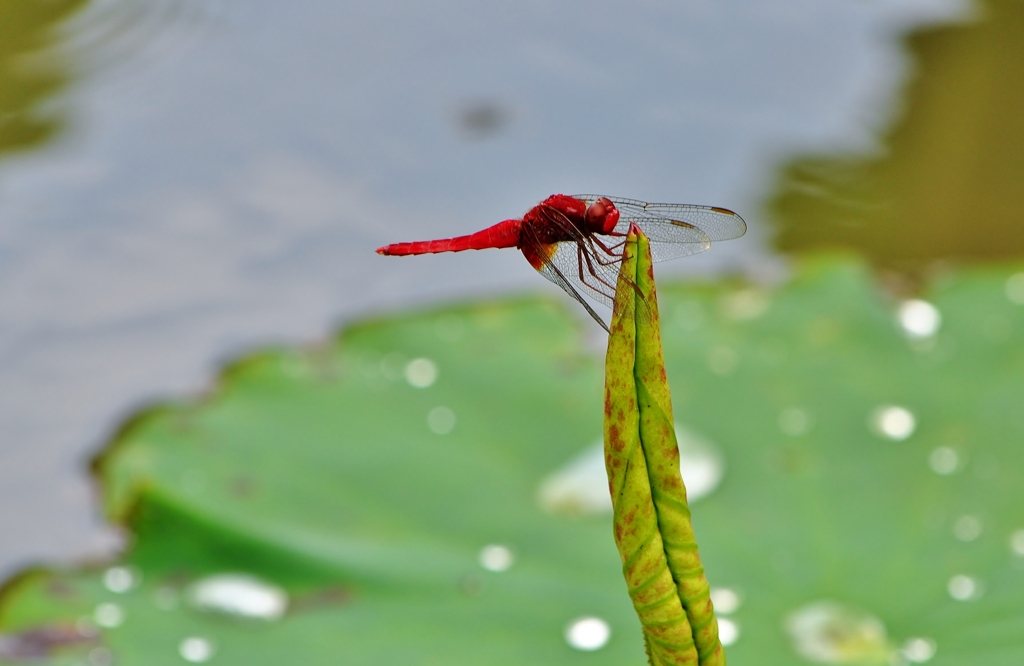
(329, 596)
(58, 587)
(472, 585)
(243, 487)
(614, 439)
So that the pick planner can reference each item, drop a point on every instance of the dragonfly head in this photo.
(602, 216)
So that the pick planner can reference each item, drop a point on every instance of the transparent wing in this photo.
(591, 270)
(675, 230)
(554, 273)
(594, 274)
(579, 265)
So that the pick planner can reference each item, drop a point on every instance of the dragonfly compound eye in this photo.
(602, 216)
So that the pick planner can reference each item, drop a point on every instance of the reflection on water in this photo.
(112, 34)
(947, 184)
(28, 79)
(44, 46)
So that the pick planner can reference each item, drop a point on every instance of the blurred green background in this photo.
(424, 487)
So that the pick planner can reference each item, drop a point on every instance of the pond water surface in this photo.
(185, 180)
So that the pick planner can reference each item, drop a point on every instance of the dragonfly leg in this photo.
(579, 261)
(609, 250)
(617, 260)
(582, 256)
(613, 257)
(585, 256)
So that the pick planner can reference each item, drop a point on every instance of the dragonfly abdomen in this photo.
(502, 234)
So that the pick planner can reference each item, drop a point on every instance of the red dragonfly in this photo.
(576, 241)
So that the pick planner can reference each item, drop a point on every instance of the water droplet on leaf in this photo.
(580, 487)
(1015, 288)
(894, 422)
(725, 600)
(967, 528)
(239, 595)
(963, 588)
(441, 420)
(701, 464)
(794, 421)
(728, 631)
(1017, 543)
(421, 372)
(832, 633)
(109, 615)
(119, 579)
(496, 558)
(918, 650)
(195, 649)
(944, 460)
(919, 319)
(588, 633)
